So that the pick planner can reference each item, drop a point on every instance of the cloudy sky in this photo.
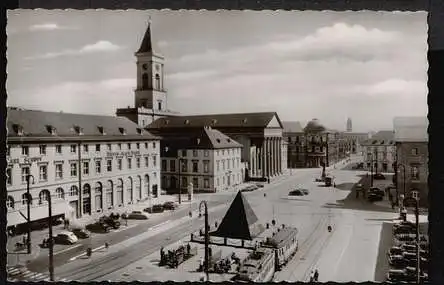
(370, 66)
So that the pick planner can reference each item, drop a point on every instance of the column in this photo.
(264, 158)
(273, 141)
(253, 163)
(280, 155)
(267, 155)
(271, 156)
(258, 153)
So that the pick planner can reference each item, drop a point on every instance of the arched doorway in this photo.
(138, 183)
(109, 194)
(98, 192)
(119, 192)
(86, 199)
(146, 185)
(129, 189)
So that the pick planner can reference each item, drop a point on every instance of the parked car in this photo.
(410, 272)
(396, 275)
(397, 261)
(155, 209)
(99, 227)
(113, 223)
(395, 250)
(137, 215)
(259, 185)
(170, 205)
(405, 224)
(372, 197)
(377, 191)
(296, 192)
(378, 176)
(81, 233)
(66, 237)
(404, 230)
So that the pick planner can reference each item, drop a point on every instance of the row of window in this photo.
(59, 174)
(235, 163)
(195, 153)
(73, 148)
(172, 182)
(184, 165)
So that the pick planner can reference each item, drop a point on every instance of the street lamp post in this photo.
(51, 238)
(207, 257)
(180, 179)
(28, 205)
(409, 202)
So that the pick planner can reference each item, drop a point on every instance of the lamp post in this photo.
(414, 202)
(181, 160)
(28, 205)
(207, 257)
(403, 176)
(51, 239)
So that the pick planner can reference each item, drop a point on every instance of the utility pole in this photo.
(207, 252)
(51, 238)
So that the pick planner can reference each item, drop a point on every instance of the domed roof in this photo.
(314, 126)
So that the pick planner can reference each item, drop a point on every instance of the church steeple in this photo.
(146, 45)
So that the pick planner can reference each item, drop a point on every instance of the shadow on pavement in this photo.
(385, 242)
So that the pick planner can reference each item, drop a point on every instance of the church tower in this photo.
(150, 96)
(349, 125)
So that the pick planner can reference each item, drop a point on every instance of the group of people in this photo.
(314, 276)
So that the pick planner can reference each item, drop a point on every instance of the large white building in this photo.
(88, 164)
(207, 158)
(380, 152)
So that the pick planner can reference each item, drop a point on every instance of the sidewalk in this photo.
(20, 258)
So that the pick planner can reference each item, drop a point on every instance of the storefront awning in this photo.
(15, 218)
(38, 212)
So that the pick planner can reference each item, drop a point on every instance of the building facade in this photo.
(380, 152)
(412, 156)
(86, 163)
(294, 137)
(208, 159)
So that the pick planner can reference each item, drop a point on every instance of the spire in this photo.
(239, 222)
(146, 45)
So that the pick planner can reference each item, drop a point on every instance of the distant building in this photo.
(380, 152)
(88, 163)
(356, 139)
(294, 136)
(412, 153)
(349, 125)
(208, 159)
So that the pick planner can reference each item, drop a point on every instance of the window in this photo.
(184, 182)
(108, 146)
(98, 166)
(42, 149)
(147, 161)
(154, 145)
(25, 199)
(109, 165)
(73, 148)
(217, 152)
(195, 166)
(415, 151)
(154, 160)
(228, 163)
(73, 191)
(97, 147)
(195, 182)
(414, 172)
(43, 173)
(195, 153)
(206, 183)
(73, 167)
(157, 82)
(9, 176)
(159, 105)
(138, 145)
(25, 173)
(206, 166)
(223, 164)
(119, 164)
(223, 152)
(8, 150)
(184, 153)
(206, 153)
(85, 148)
(25, 150)
(130, 162)
(86, 168)
(164, 165)
(59, 171)
(10, 202)
(138, 162)
(217, 180)
(43, 196)
(183, 165)
(172, 165)
(128, 145)
(58, 149)
(119, 146)
(218, 165)
(146, 145)
(234, 162)
(60, 194)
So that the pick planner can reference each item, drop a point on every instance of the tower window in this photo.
(157, 82)
(159, 105)
(145, 81)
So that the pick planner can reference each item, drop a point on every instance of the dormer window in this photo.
(244, 121)
(198, 141)
(140, 131)
(18, 129)
(214, 121)
(122, 131)
(51, 129)
(228, 140)
(167, 122)
(218, 140)
(101, 130)
(78, 130)
(187, 122)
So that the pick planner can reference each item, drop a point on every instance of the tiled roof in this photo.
(146, 46)
(410, 129)
(378, 142)
(292, 127)
(29, 124)
(252, 120)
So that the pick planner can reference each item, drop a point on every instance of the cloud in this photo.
(48, 27)
(100, 46)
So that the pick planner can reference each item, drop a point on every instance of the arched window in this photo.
(98, 196)
(145, 81)
(146, 183)
(138, 188)
(73, 191)
(86, 189)
(109, 194)
(119, 192)
(24, 200)
(60, 194)
(43, 196)
(157, 82)
(129, 189)
(10, 202)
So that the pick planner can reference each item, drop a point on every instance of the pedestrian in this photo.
(106, 245)
(67, 223)
(311, 276)
(316, 276)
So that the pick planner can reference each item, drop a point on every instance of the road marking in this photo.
(14, 271)
(83, 254)
(66, 249)
(28, 274)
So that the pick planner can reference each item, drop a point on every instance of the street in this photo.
(348, 253)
